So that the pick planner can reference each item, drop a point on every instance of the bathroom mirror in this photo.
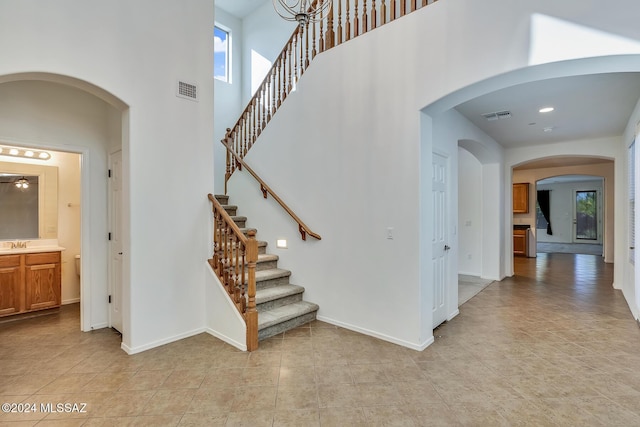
(28, 213)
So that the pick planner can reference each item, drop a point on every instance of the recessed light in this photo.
(546, 110)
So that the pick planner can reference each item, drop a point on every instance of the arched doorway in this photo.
(67, 115)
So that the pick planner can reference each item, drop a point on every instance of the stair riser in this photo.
(279, 302)
(269, 283)
(240, 222)
(266, 265)
(285, 326)
(231, 210)
(223, 200)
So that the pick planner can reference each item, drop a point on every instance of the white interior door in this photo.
(440, 247)
(115, 240)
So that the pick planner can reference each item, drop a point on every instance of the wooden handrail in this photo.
(240, 163)
(358, 16)
(234, 262)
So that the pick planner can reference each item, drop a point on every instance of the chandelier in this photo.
(303, 11)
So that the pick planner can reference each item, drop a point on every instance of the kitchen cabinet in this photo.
(520, 242)
(29, 282)
(521, 197)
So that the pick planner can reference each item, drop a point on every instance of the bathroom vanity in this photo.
(30, 279)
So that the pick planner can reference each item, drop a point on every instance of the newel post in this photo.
(251, 316)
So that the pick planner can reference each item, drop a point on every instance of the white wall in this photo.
(469, 214)
(562, 210)
(132, 54)
(228, 103)
(266, 33)
(352, 154)
(630, 284)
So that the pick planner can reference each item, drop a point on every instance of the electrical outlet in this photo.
(390, 233)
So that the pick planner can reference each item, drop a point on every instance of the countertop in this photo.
(33, 246)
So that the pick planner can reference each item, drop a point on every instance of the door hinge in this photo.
(109, 299)
(109, 173)
(109, 236)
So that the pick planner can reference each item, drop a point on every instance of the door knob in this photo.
(446, 247)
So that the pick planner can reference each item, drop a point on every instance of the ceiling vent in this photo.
(497, 115)
(187, 90)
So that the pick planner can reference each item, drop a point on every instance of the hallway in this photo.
(553, 345)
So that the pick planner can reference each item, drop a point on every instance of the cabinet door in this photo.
(42, 286)
(521, 198)
(519, 244)
(10, 290)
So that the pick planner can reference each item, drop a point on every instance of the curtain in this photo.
(544, 201)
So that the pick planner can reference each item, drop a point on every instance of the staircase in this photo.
(279, 303)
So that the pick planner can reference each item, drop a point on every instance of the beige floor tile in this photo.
(203, 419)
(251, 418)
(184, 379)
(214, 400)
(296, 375)
(145, 380)
(338, 395)
(540, 348)
(337, 374)
(297, 418)
(297, 397)
(389, 416)
(256, 398)
(67, 383)
(169, 402)
(342, 417)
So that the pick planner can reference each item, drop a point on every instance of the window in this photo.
(632, 201)
(541, 222)
(221, 56)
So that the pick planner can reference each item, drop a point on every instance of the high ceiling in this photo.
(589, 106)
(239, 8)
(585, 107)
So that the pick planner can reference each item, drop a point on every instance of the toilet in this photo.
(78, 265)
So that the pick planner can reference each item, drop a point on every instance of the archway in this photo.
(68, 115)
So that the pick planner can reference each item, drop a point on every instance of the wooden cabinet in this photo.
(11, 290)
(520, 242)
(521, 198)
(29, 282)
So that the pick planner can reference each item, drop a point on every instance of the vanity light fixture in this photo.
(546, 110)
(27, 153)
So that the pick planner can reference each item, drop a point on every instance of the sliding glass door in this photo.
(586, 219)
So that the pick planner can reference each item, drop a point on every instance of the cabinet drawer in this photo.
(42, 258)
(9, 260)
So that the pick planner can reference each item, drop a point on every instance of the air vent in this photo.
(497, 115)
(187, 91)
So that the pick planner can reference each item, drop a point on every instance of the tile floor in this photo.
(469, 287)
(553, 346)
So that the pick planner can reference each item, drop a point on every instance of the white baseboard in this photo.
(70, 301)
(384, 337)
(230, 341)
(154, 344)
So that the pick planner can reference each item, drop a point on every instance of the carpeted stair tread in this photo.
(276, 292)
(287, 312)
